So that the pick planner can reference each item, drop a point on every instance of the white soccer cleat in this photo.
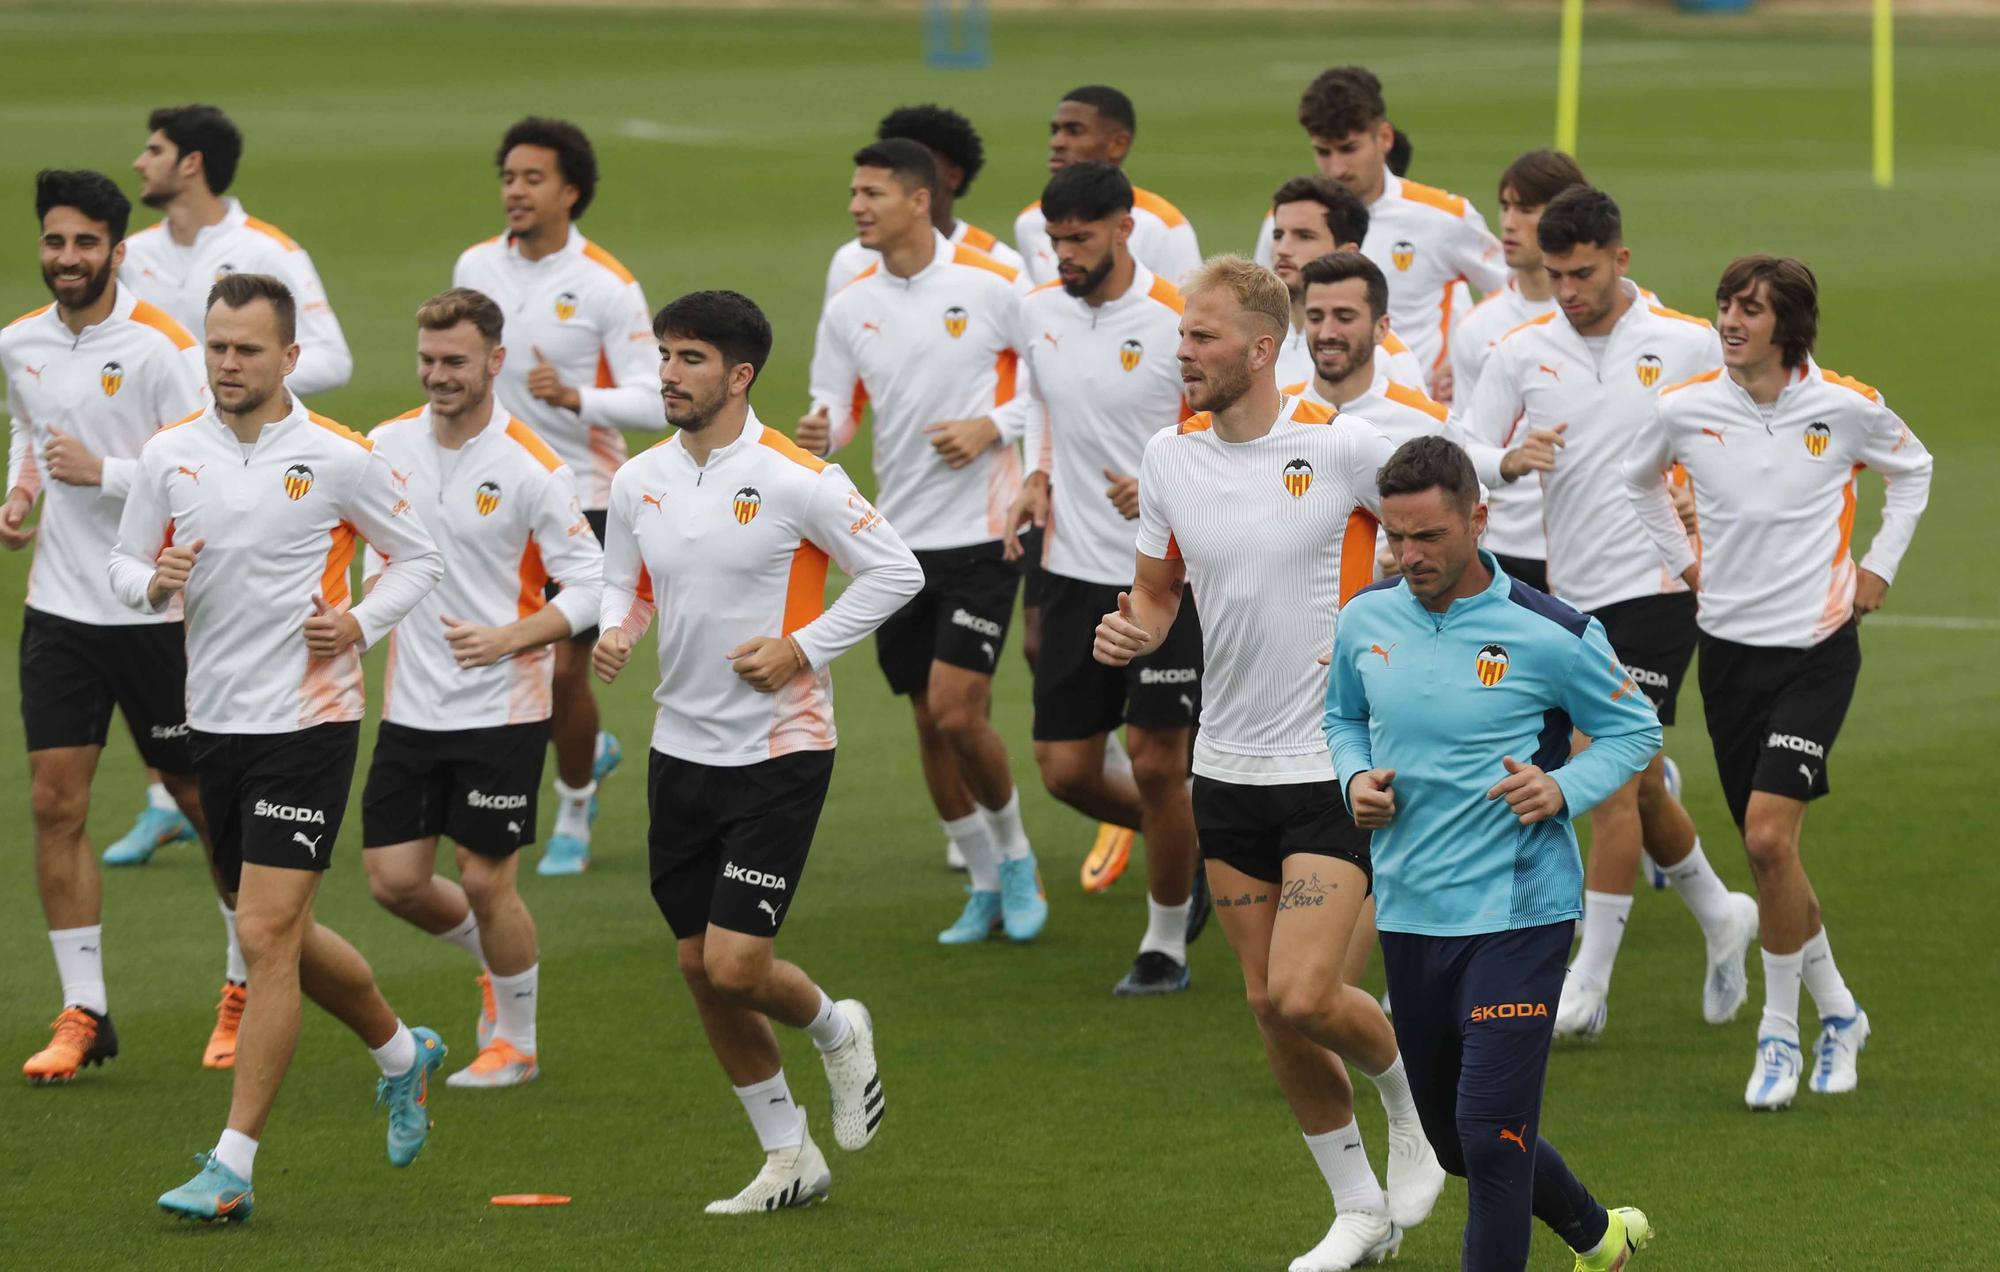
(1583, 1011)
(791, 1177)
(854, 1081)
(1415, 1175)
(499, 1064)
(1727, 985)
(1357, 1239)
(1775, 1080)
(1834, 1055)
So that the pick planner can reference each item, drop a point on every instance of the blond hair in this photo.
(455, 305)
(1257, 291)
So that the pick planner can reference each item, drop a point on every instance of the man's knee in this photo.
(60, 806)
(267, 936)
(488, 885)
(1159, 763)
(1064, 777)
(397, 881)
(958, 714)
(1771, 849)
(1307, 1001)
(735, 973)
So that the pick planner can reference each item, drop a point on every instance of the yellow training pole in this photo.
(1885, 96)
(1570, 70)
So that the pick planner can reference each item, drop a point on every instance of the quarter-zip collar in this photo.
(1497, 590)
(1574, 339)
(124, 300)
(752, 435)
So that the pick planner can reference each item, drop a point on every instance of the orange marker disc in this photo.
(531, 1199)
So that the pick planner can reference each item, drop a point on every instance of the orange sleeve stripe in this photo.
(1840, 549)
(593, 252)
(1053, 282)
(1665, 312)
(1849, 382)
(1005, 366)
(1542, 321)
(1173, 549)
(791, 450)
(1036, 206)
(32, 313)
(1704, 378)
(605, 380)
(1293, 390)
(271, 231)
(1431, 196)
(645, 589)
(410, 414)
(159, 320)
(339, 558)
(1197, 423)
(963, 255)
(1411, 398)
(1167, 294)
(805, 590)
(534, 577)
(976, 237)
(1313, 413)
(531, 442)
(340, 430)
(189, 420)
(1394, 343)
(1158, 206)
(857, 278)
(1357, 553)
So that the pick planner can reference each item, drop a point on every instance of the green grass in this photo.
(1037, 1123)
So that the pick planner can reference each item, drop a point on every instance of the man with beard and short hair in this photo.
(1311, 216)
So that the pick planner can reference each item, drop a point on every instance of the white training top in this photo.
(745, 555)
(1276, 534)
(850, 258)
(1162, 240)
(279, 526)
(588, 317)
(504, 512)
(1775, 499)
(939, 345)
(178, 279)
(111, 387)
(1513, 509)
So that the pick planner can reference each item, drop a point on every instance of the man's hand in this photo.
(614, 649)
(475, 646)
(546, 383)
(1531, 793)
(767, 663)
(815, 432)
(330, 631)
(1031, 508)
(1441, 382)
(13, 533)
(1123, 492)
(171, 570)
(959, 442)
(1537, 454)
(1692, 577)
(1683, 500)
(70, 461)
(1870, 590)
(1372, 799)
(1120, 639)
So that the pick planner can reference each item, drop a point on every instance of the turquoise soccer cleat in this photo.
(1023, 908)
(408, 1096)
(155, 829)
(564, 855)
(216, 1193)
(979, 920)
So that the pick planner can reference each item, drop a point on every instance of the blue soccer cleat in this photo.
(217, 1193)
(155, 829)
(1023, 908)
(979, 920)
(564, 855)
(609, 753)
(1775, 1080)
(408, 1096)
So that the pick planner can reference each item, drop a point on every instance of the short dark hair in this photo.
(1089, 191)
(91, 193)
(1340, 101)
(1538, 176)
(455, 305)
(1108, 102)
(1346, 214)
(728, 320)
(1427, 462)
(910, 162)
(238, 290)
(944, 131)
(1794, 299)
(1580, 214)
(1338, 267)
(1401, 151)
(204, 130)
(576, 158)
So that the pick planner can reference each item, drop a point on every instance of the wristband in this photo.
(798, 652)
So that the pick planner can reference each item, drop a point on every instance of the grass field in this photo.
(1036, 1122)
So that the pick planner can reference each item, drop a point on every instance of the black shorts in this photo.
(1533, 572)
(960, 617)
(727, 845)
(1773, 713)
(275, 799)
(1254, 828)
(597, 517)
(1034, 579)
(1077, 696)
(1654, 637)
(73, 674)
(476, 785)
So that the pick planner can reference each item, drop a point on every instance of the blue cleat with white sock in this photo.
(979, 920)
(155, 829)
(1023, 908)
(408, 1097)
(216, 1193)
(1835, 1055)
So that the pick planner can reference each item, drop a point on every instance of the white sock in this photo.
(1343, 1162)
(238, 1152)
(233, 966)
(1781, 996)
(1604, 916)
(974, 836)
(514, 999)
(777, 1120)
(396, 1055)
(1393, 1085)
(573, 809)
(158, 796)
(1116, 759)
(1166, 929)
(80, 965)
(466, 937)
(1829, 992)
(829, 1028)
(1008, 835)
(1703, 891)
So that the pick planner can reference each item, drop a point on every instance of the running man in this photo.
(743, 740)
(1311, 216)
(466, 695)
(1774, 443)
(251, 509)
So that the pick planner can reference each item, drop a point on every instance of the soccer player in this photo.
(1097, 122)
(584, 367)
(1425, 239)
(1288, 868)
(955, 145)
(743, 740)
(1774, 443)
(89, 379)
(928, 338)
(1584, 381)
(466, 701)
(1440, 679)
(185, 170)
(1310, 217)
(1102, 380)
(250, 510)
(1346, 311)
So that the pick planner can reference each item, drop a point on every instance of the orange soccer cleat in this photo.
(1108, 857)
(221, 1052)
(500, 1064)
(83, 1038)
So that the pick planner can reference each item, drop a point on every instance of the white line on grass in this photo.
(1933, 622)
